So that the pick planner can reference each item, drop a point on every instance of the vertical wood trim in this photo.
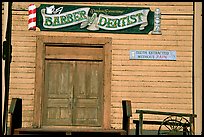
(39, 82)
(44, 94)
(198, 66)
(107, 83)
(101, 89)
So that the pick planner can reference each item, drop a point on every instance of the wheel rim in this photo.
(174, 125)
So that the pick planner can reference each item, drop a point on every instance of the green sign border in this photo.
(98, 9)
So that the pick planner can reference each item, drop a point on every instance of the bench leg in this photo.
(137, 128)
(185, 130)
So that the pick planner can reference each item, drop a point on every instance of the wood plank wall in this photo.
(156, 85)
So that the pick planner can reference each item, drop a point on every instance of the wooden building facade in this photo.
(79, 79)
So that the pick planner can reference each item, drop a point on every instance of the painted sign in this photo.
(153, 54)
(95, 19)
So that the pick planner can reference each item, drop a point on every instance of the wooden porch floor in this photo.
(41, 131)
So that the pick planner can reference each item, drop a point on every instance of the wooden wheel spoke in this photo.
(168, 127)
(180, 127)
(177, 126)
(170, 124)
(181, 119)
(178, 123)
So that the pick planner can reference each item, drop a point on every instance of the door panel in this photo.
(73, 93)
(58, 95)
(87, 93)
(86, 116)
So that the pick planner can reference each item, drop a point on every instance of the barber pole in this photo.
(32, 17)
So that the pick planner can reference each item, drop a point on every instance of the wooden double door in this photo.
(72, 82)
(73, 91)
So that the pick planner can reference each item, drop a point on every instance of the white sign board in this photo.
(153, 54)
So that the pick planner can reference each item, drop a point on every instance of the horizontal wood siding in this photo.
(157, 85)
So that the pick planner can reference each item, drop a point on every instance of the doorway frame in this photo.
(42, 41)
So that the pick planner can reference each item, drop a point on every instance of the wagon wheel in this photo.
(174, 125)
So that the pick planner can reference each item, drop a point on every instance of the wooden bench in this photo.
(127, 113)
(139, 123)
(16, 114)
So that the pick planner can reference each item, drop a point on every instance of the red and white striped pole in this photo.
(32, 17)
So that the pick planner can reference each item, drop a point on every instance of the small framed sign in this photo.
(152, 54)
